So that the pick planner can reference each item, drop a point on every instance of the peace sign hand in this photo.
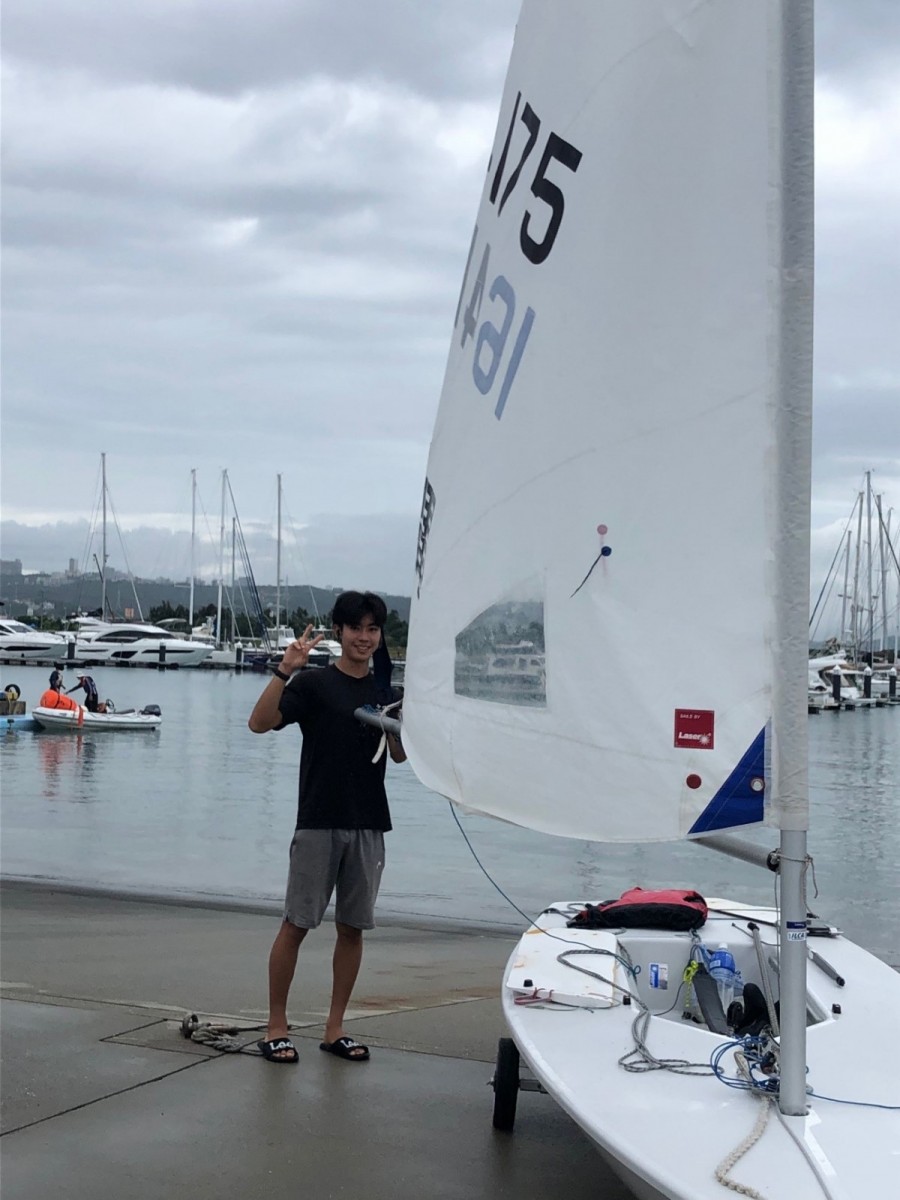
(297, 653)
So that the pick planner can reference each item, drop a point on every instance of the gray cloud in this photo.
(234, 235)
(225, 47)
(369, 551)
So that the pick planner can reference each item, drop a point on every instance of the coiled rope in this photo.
(218, 1037)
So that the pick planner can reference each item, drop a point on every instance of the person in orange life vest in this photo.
(54, 697)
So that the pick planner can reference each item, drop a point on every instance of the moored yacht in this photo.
(823, 669)
(327, 651)
(136, 644)
(20, 643)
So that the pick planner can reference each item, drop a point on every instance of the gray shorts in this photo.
(322, 860)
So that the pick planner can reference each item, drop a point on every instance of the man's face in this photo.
(359, 642)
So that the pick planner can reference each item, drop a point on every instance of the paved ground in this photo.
(103, 1096)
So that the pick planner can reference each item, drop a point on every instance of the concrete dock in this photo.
(102, 1095)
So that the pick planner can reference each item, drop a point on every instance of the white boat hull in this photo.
(20, 644)
(69, 721)
(664, 1133)
(144, 654)
(106, 643)
(51, 652)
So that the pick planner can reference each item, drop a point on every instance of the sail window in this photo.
(500, 655)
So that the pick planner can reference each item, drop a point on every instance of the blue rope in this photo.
(757, 1060)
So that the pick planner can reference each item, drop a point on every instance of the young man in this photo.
(342, 814)
(54, 697)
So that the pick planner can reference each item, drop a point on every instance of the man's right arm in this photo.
(266, 713)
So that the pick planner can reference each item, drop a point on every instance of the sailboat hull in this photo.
(666, 1133)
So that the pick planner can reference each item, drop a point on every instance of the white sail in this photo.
(597, 636)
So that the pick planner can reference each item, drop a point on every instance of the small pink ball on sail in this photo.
(602, 529)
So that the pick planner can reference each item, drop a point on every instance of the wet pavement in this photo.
(102, 1095)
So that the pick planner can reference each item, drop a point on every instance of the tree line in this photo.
(239, 625)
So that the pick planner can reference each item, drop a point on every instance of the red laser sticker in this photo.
(695, 728)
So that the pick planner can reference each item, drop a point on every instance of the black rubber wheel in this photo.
(506, 1085)
(189, 1024)
(12, 687)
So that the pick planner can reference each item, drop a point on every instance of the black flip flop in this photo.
(343, 1047)
(274, 1051)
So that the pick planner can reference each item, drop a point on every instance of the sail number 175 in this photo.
(492, 337)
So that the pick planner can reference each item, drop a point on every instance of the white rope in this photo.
(205, 1035)
(762, 1119)
(382, 744)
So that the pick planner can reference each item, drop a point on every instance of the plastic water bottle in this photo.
(724, 972)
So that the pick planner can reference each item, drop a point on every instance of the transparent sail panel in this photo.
(500, 655)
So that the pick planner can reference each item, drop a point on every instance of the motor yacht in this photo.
(137, 644)
(20, 643)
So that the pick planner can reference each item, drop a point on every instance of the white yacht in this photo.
(100, 643)
(822, 668)
(327, 651)
(20, 643)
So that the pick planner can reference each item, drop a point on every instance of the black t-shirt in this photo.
(340, 786)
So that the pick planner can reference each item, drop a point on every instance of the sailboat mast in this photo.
(790, 772)
(220, 641)
(870, 596)
(103, 556)
(854, 611)
(846, 594)
(233, 578)
(893, 558)
(278, 569)
(193, 548)
(883, 631)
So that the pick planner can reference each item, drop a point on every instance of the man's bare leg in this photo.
(345, 967)
(282, 964)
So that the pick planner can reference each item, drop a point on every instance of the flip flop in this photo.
(275, 1050)
(343, 1047)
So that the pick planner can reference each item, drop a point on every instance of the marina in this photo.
(636, 928)
(203, 810)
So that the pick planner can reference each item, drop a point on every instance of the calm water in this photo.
(206, 808)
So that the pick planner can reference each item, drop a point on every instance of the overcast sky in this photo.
(234, 234)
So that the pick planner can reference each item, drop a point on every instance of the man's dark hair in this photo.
(351, 607)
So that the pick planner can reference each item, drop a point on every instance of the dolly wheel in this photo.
(189, 1024)
(506, 1085)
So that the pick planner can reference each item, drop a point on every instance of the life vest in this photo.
(671, 908)
(53, 699)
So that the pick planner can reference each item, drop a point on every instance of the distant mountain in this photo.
(58, 596)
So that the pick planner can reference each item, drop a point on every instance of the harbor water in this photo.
(205, 809)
